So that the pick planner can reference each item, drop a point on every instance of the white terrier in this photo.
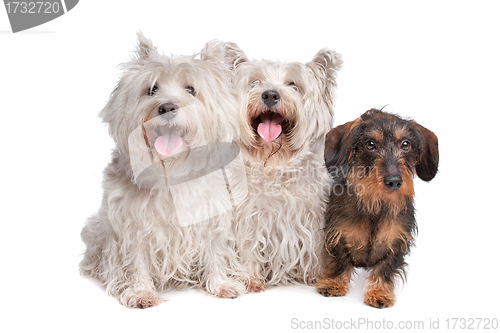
(286, 109)
(166, 214)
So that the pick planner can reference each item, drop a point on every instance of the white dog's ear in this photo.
(328, 63)
(145, 48)
(223, 53)
(234, 55)
(325, 65)
(213, 52)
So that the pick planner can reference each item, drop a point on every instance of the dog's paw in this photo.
(141, 299)
(227, 289)
(379, 299)
(332, 287)
(256, 285)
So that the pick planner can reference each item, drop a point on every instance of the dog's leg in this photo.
(121, 266)
(379, 292)
(394, 238)
(379, 288)
(335, 286)
(140, 291)
(223, 275)
(253, 268)
(337, 277)
(246, 246)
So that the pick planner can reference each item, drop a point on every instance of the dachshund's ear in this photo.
(427, 165)
(338, 148)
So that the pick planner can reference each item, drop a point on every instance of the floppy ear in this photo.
(325, 65)
(234, 55)
(427, 165)
(338, 148)
(145, 48)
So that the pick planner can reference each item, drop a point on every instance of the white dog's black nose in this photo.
(270, 97)
(167, 107)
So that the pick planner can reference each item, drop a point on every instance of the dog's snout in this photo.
(270, 97)
(167, 107)
(393, 182)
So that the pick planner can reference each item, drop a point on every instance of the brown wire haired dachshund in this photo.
(370, 218)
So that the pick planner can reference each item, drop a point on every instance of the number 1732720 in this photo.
(472, 323)
(45, 7)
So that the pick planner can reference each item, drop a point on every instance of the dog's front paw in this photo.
(226, 289)
(256, 285)
(332, 287)
(141, 299)
(379, 298)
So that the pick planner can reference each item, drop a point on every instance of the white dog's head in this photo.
(163, 107)
(285, 108)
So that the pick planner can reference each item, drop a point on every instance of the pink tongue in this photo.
(269, 129)
(168, 143)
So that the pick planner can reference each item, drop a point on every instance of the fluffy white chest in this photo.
(279, 226)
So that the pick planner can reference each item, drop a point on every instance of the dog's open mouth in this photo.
(169, 141)
(268, 125)
(166, 140)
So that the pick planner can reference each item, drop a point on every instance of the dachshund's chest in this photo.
(368, 243)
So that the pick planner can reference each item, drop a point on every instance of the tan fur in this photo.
(355, 233)
(338, 286)
(389, 232)
(373, 195)
(378, 293)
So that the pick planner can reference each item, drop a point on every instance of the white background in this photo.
(434, 61)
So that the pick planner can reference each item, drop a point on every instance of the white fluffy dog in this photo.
(165, 219)
(286, 109)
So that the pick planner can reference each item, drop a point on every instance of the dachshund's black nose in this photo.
(393, 182)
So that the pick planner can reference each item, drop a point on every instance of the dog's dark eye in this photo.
(406, 145)
(153, 90)
(190, 90)
(293, 85)
(370, 145)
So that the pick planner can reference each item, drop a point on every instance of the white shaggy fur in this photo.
(279, 225)
(137, 242)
